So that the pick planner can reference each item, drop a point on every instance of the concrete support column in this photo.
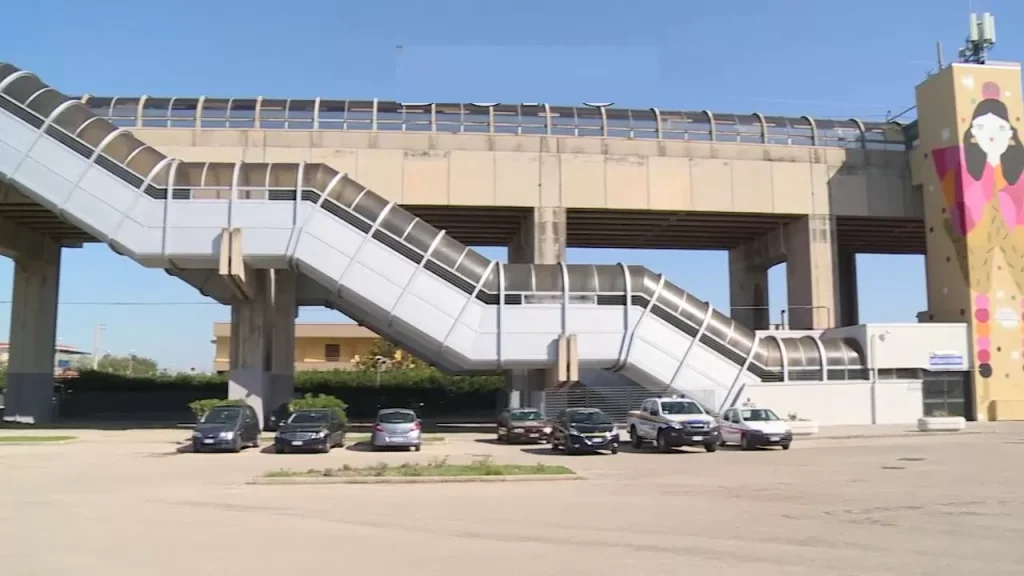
(285, 310)
(541, 240)
(811, 274)
(29, 397)
(251, 344)
(849, 300)
(748, 287)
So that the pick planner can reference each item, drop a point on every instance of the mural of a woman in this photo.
(984, 198)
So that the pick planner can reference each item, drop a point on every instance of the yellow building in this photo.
(317, 346)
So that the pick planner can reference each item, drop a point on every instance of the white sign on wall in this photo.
(946, 361)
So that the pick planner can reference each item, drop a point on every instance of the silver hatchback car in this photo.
(397, 428)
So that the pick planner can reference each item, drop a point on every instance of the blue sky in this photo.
(787, 57)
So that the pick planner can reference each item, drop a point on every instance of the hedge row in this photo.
(429, 392)
(422, 378)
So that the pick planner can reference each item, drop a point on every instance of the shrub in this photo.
(323, 401)
(201, 407)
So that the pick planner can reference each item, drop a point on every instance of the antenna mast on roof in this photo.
(981, 36)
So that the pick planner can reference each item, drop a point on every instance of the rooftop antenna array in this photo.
(981, 36)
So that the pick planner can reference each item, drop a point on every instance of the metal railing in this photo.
(589, 120)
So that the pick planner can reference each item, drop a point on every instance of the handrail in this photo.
(480, 118)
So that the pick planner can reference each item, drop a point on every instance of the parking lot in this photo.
(129, 503)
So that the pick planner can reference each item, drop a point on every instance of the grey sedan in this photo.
(396, 428)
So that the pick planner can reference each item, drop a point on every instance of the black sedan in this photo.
(317, 430)
(584, 430)
(227, 427)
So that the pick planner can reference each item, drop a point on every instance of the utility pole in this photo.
(97, 331)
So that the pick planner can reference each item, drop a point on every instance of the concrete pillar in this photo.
(968, 164)
(29, 397)
(748, 288)
(251, 344)
(282, 374)
(811, 274)
(541, 240)
(849, 299)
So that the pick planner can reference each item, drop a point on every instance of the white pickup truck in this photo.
(670, 422)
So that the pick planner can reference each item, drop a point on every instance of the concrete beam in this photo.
(232, 266)
(541, 239)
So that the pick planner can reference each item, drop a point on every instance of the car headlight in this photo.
(517, 430)
(574, 431)
(320, 434)
(196, 434)
(227, 435)
(547, 429)
(615, 430)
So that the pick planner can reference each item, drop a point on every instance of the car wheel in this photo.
(416, 448)
(237, 446)
(327, 447)
(663, 443)
(614, 450)
(278, 449)
(635, 439)
(745, 443)
(196, 448)
(569, 450)
(785, 446)
(710, 447)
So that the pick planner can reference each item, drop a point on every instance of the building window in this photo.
(944, 394)
(332, 352)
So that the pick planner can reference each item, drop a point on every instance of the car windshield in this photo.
(520, 415)
(310, 418)
(589, 417)
(396, 418)
(222, 415)
(759, 415)
(680, 408)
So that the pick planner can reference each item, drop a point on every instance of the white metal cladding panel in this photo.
(8, 156)
(138, 238)
(661, 335)
(320, 261)
(374, 288)
(149, 213)
(594, 319)
(717, 369)
(200, 214)
(386, 263)
(692, 378)
(475, 312)
(332, 232)
(441, 295)
(265, 214)
(651, 360)
(423, 316)
(113, 192)
(532, 319)
(463, 339)
(16, 133)
(59, 159)
(38, 180)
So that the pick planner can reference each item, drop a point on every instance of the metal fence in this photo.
(616, 401)
(589, 120)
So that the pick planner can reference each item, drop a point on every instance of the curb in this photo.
(413, 479)
(54, 443)
(913, 434)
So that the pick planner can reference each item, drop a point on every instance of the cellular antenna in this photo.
(981, 37)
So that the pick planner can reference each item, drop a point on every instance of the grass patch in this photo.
(437, 467)
(34, 439)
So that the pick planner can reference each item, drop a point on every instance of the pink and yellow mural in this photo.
(969, 117)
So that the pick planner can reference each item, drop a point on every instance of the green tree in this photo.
(133, 365)
(384, 356)
(3, 376)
